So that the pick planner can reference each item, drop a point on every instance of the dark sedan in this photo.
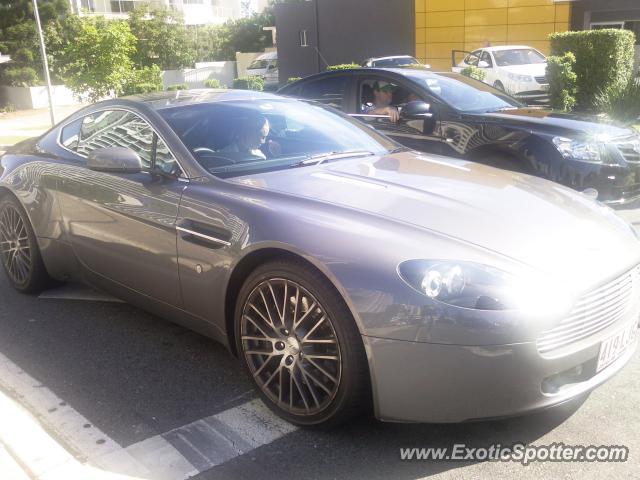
(451, 114)
(343, 269)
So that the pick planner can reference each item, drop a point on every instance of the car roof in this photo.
(395, 71)
(162, 100)
(504, 47)
(267, 56)
(389, 57)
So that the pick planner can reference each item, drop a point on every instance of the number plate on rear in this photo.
(614, 346)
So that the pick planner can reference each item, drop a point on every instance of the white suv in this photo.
(516, 69)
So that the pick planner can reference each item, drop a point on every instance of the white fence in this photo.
(224, 72)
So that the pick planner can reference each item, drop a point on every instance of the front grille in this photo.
(541, 80)
(629, 148)
(593, 312)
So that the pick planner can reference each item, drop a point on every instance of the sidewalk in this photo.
(22, 124)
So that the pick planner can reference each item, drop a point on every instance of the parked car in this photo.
(337, 265)
(393, 61)
(265, 66)
(517, 69)
(454, 115)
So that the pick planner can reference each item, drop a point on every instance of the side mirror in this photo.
(417, 111)
(271, 67)
(114, 160)
(483, 64)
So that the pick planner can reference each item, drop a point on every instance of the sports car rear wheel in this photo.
(300, 345)
(19, 250)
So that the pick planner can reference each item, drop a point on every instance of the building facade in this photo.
(446, 25)
(195, 12)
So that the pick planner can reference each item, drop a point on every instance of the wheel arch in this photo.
(258, 256)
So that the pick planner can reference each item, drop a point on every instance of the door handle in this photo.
(200, 233)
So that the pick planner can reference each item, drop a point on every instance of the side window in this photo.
(472, 58)
(486, 57)
(119, 128)
(377, 93)
(329, 91)
(70, 135)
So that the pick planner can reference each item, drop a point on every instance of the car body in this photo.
(265, 66)
(391, 61)
(470, 119)
(517, 69)
(552, 276)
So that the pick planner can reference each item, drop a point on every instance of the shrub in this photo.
(20, 76)
(621, 104)
(143, 80)
(249, 83)
(604, 60)
(212, 83)
(293, 79)
(177, 86)
(474, 72)
(342, 66)
(562, 81)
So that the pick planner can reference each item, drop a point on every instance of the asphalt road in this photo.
(135, 376)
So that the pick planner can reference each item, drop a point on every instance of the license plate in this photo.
(614, 346)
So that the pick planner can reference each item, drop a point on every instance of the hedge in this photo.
(177, 86)
(562, 81)
(143, 80)
(474, 72)
(249, 83)
(342, 66)
(604, 61)
(212, 83)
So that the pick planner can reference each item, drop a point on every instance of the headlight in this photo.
(520, 78)
(481, 287)
(585, 151)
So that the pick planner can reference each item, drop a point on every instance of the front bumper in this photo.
(436, 383)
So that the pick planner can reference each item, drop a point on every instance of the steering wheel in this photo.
(206, 156)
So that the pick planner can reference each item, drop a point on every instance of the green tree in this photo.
(161, 38)
(18, 37)
(98, 62)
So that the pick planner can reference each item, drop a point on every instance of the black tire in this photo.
(498, 84)
(348, 382)
(19, 252)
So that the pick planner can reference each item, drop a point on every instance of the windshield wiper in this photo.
(325, 157)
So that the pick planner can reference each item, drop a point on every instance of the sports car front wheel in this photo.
(300, 345)
(19, 250)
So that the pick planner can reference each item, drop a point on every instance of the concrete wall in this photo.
(446, 25)
(341, 31)
(225, 72)
(26, 98)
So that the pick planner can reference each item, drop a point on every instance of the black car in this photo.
(451, 114)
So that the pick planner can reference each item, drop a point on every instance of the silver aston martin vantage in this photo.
(342, 269)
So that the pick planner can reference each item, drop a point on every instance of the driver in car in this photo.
(249, 138)
(382, 99)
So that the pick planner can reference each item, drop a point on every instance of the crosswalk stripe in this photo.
(89, 453)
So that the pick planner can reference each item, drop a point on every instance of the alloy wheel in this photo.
(291, 347)
(14, 245)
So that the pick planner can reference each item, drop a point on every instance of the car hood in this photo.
(528, 219)
(535, 69)
(572, 123)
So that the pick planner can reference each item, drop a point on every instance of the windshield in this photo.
(466, 94)
(519, 56)
(244, 137)
(395, 62)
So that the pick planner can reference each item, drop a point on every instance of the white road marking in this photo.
(89, 453)
(9, 469)
(77, 291)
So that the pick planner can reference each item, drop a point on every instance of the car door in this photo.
(122, 226)
(490, 73)
(418, 134)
